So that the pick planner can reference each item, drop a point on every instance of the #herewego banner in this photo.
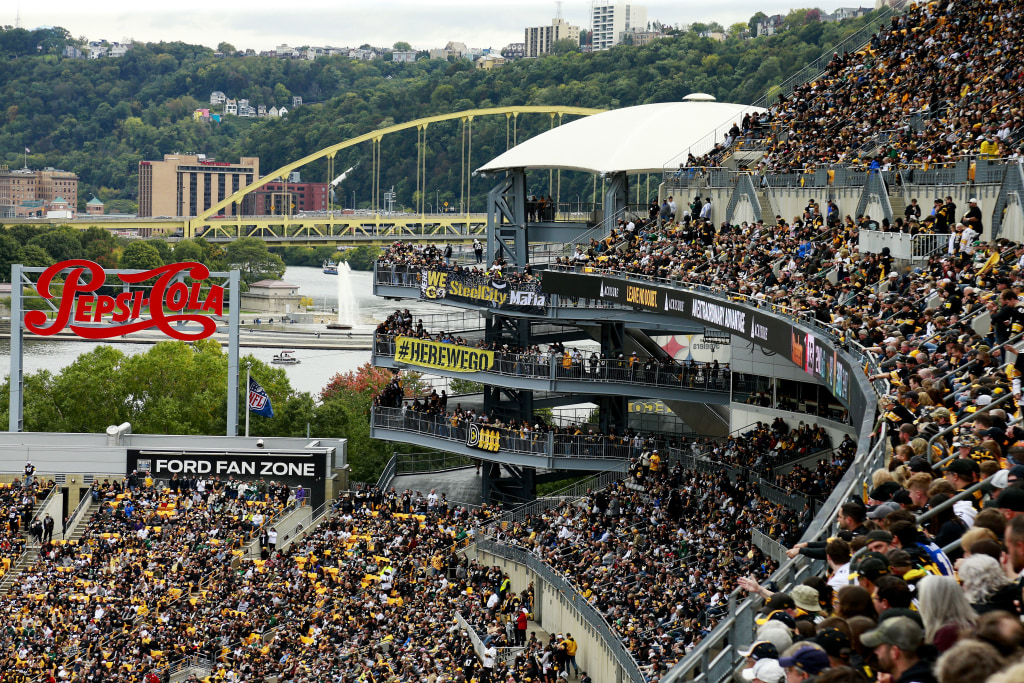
(430, 354)
(481, 290)
(168, 302)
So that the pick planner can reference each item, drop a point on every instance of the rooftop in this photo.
(642, 139)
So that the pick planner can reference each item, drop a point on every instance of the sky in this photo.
(262, 24)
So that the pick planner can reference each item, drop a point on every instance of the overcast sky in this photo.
(261, 24)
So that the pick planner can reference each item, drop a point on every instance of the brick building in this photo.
(187, 185)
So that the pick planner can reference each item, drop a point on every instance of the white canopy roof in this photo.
(643, 139)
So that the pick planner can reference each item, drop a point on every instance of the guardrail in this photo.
(574, 600)
(417, 463)
(504, 654)
(75, 518)
(570, 493)
(591, 446)
(552, 367)
(388, 475)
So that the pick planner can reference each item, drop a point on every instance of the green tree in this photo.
(251, 257)
(362, 257)
(10, 253)
(141, 256)
(226, 48)
(564, 46)
(188, 250)
(402, 46)
(61, 243)
(34, 256)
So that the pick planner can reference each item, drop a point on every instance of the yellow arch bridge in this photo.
(345, 227)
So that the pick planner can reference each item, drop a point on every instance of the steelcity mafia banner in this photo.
(441, 356)
(482, 291)
(815, 355)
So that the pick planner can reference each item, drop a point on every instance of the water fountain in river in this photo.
(348, 309)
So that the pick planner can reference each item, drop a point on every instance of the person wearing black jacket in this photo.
(973, 217)
(851, 524)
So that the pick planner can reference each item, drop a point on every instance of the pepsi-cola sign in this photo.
(166, 303)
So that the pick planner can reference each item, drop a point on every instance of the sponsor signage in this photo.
(292, 468)
(481, 291)
(483, 438)
(815, 355)
(168, 302)
(441, 356)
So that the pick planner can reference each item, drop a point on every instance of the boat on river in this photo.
(330, 268)
(285, 358)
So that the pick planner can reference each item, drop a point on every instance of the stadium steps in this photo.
(898, 204)
(78, 530)
(767, 214)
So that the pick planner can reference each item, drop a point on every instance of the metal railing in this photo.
(588, 445)
(571, 599)
(504, 654)
(552, 366)
(388, 475)
(434, 461)
(572, 493)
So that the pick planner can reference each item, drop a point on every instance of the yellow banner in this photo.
(431, 354)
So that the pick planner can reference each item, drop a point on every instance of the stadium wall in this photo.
(555, 611)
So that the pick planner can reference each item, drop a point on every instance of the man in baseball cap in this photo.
(765, 671)
(1011, 502)
(762, 649)
(895, 643)
(810, 660)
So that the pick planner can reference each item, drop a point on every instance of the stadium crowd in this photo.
(951, 64)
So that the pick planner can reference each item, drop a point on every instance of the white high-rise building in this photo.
(609, 19)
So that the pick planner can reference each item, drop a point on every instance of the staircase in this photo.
(899, 205)
(767, 213)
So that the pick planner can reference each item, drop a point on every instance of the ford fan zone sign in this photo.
(169, 301)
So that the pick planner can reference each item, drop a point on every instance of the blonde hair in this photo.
(880, 476)
(975, 534)
(901, 475)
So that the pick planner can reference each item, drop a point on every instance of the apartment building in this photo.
(187, 185)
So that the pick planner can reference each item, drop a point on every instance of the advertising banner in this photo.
(307, 469)
(815, 355)
(431, 354)
(482, 291)
(484, 438)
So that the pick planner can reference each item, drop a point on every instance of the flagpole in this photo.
(247, 411)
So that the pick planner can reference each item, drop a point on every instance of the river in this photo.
(316, 368)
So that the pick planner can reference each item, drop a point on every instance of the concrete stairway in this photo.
(767, 214)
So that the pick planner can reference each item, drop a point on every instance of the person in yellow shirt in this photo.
(570, 652)
(655, 464)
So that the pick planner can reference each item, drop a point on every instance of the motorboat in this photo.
(285, 358)
(330, 268)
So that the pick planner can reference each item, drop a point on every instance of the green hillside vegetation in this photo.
(99, 118)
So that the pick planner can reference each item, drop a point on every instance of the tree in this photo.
(188, 250)
(758, 18)
(141, 256)
(251, 257)
(362, 257)
(564, 46)
(402, 46)
(226, 48)
(10, 253)
(61, 243)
